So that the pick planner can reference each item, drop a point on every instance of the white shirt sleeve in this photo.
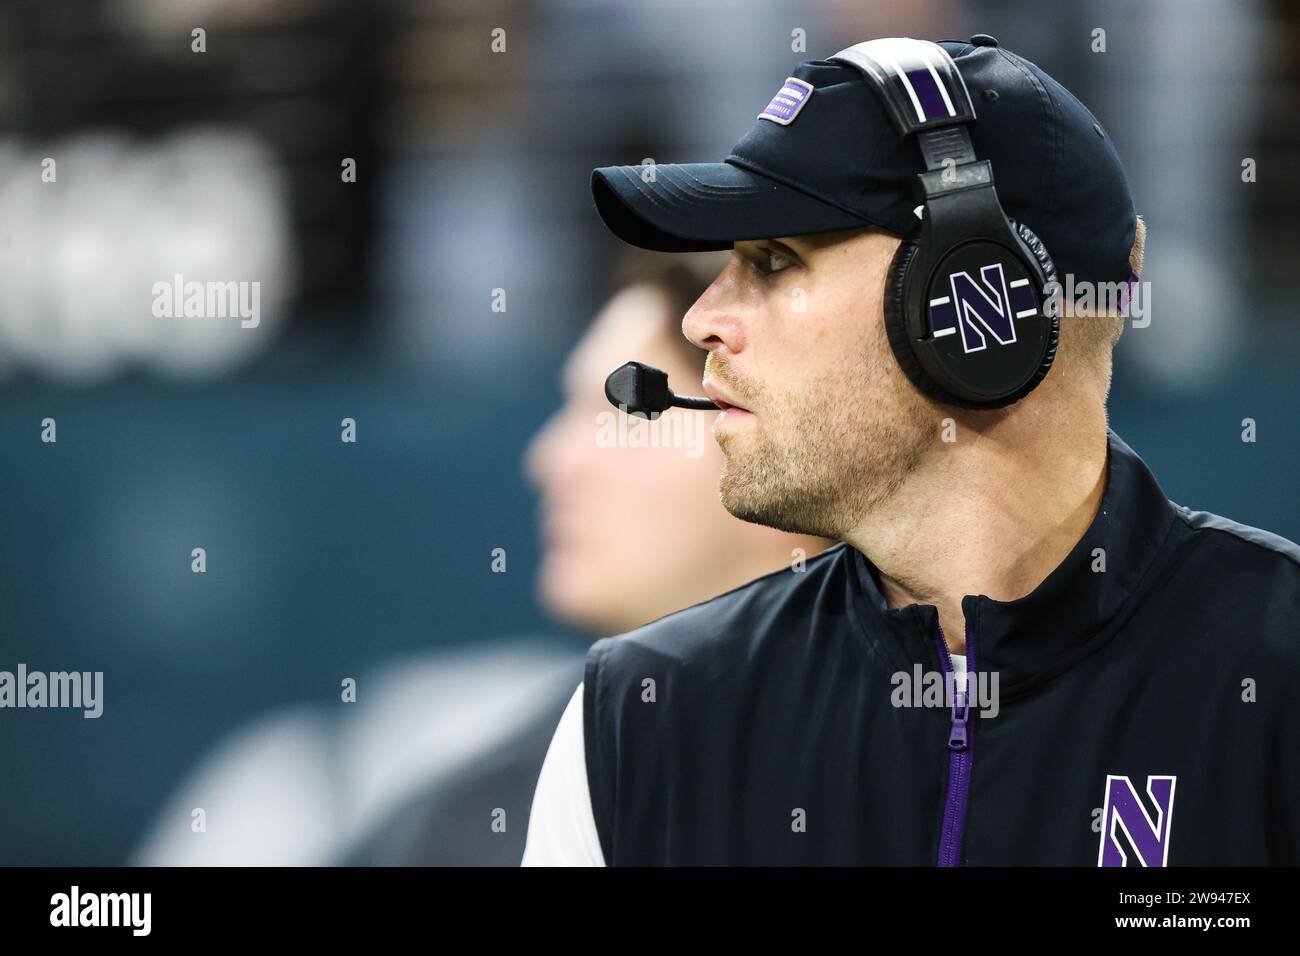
(561, 826)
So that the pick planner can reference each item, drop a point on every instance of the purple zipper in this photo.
(959, 756)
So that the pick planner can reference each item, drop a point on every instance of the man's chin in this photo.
(769, 507)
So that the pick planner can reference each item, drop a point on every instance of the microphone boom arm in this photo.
(641, 389)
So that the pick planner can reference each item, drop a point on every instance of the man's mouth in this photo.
(732, 412)
(722, 397)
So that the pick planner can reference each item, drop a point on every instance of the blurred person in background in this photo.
(438, 766)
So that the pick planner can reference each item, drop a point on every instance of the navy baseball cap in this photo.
(825, 155)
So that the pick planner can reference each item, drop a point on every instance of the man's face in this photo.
(828, 426)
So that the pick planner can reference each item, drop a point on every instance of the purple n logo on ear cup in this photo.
(979, 308)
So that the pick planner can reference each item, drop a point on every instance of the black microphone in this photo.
(643, 390)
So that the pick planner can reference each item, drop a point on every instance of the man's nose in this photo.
(715, 322)
(544, 454)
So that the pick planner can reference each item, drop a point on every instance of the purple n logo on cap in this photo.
(787, 103)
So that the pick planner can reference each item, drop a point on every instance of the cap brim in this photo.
(700, 207)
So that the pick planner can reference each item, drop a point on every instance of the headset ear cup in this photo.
(1039, 253)
(899, 340)
(1036, 249)
(896, 323)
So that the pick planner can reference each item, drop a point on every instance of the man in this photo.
(437, 766)
(1130, 664)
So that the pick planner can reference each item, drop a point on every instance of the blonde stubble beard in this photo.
(826, 460)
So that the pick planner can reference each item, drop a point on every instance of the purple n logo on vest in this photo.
(1125, 811)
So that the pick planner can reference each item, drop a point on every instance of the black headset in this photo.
(964, 301)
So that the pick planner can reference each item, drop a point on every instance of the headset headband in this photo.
(924, 91)
(918, 80)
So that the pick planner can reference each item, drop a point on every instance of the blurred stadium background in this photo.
(472, 174)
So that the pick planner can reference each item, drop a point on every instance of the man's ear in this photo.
(1138, 252)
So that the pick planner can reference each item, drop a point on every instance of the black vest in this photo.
(1147, 711)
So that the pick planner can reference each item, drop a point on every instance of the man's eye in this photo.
(775, 261)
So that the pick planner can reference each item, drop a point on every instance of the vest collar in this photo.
(1068, 614)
